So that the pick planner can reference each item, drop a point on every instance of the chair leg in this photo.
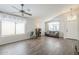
(76, 50)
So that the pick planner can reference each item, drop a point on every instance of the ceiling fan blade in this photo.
(15, 8)
(27, 13)
(22, 11)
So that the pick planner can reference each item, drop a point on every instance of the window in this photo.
(53, 26)
(12, 28)
(20, 28)
(11, 25)
(7, 28)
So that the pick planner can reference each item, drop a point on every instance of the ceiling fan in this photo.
(22, 10)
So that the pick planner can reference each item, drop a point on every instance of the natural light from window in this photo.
(53, 26)
(11, 25)
(8, 28)
(12, 28)
(20, 28)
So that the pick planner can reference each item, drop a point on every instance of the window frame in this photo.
(14, 30)
(53, 23)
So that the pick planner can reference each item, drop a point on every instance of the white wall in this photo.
(29, 27)
(0, 28)
(39, 23)
(62, 25)
(42, 26)
(78, 26)
(14, 38)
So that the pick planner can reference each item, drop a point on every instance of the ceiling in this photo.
(37, 10)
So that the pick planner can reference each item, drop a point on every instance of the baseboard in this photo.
(13, 42)
(71, 38)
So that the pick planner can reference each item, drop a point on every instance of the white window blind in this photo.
(12, 25)
(7, 28)
(20, 28)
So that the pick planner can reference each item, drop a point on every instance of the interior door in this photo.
(71, 29)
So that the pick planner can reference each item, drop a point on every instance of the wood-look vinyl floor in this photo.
(41, 46)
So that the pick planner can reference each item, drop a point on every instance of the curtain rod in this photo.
(12, 14)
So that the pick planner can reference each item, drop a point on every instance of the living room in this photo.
(39, 29)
